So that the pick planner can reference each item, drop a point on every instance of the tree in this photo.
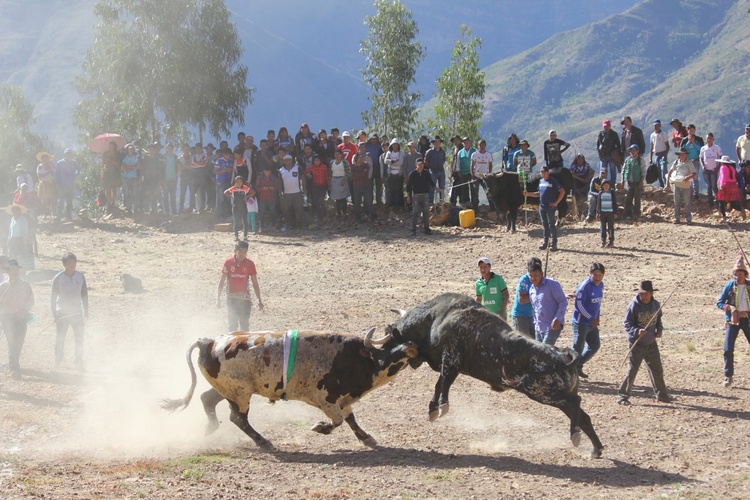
(460, 90)
(18, 143)
(159, 64)
(392, 56)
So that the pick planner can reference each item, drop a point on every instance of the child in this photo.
(605, 210)
(319, 184)
(252, 210)
(238, 194)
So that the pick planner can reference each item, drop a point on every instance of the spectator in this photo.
(410, 159)
(20, 241)
(549, 304)
(553, 150)
(284, 140)
(267, 187)
(66, 172)
(199, 162)
(238, 194)
(16, 301)
(679, 133)
(341, 176)
(131, 165)
(185, 179)
(524, 160)
(582, 175)
(305, 137)
(550, 194)
(608, 145)
(171, 166)
(744, 178)
(693, 144)
(252, 211)
(631, 135)
(264, 158)
(481, 165)
(241, 166)
(423, 145)
(69, 300)
(586, 314)
(512, 146)
(152, 176)
(659, 150)
(292, 194)
(681, 175)
(595, 188)
(434, 162)
(709, 153)
(462, 175)
(491, 290)
(318, 186)
(643, 326)
(347, 148)
(45, 172)
(606, 210)
(326, 147)
(111, 177)
(236, 274)
(633, 175)
(522, 313)
(394, 180)
(735, 302)
(361, 173)
(418, 188)
(728, 188)
(743, 146)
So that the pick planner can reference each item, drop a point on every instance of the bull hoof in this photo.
(211, 428)
(265, 445)
(444, 409)
(575, 437)
(370, 442)
(597, 452)
(433, 415)
(322, 427)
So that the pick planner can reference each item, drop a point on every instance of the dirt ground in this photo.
(101, 434)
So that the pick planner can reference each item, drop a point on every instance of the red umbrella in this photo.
(100, 144)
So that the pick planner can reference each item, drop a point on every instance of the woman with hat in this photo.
(20, 235)
(735, 302)
(681, 175)
(643, 326)
(45, 172)
(16, 301)
(728, 190)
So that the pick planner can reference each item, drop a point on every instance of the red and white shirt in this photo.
(238, 277)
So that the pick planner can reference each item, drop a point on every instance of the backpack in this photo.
(652, 173)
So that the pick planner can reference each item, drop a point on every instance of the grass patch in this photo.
(444, 476)
(195, 474)
(216, 458)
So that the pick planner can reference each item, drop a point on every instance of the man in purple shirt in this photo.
(549, 303)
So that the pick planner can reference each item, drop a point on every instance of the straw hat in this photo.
(10, 208)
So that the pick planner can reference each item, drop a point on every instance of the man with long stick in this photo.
(735, 302)
(643, 326)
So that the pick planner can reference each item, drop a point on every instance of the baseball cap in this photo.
(484, 260)
(346, 134)
(606, 123)
(634, 146)
(656, 122)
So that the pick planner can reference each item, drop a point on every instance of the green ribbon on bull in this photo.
(292, 353)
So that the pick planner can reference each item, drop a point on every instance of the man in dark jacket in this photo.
(606, 144)
(631, 135)
(418, 188)
(643, 326)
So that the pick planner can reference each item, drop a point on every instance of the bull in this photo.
(505, 189)
(332, 371)
(456, 335)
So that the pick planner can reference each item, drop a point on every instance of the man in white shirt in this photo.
(291, 199)
(659, 150)
(481, 165)
(743, 145)
(708, 155)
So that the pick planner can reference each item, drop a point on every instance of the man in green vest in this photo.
(491, 290)
(633, 173)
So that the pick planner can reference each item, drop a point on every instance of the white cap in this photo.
(288, 157)
(485, 260)
(346, 134)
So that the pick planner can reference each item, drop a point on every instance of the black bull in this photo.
(456, 335)
(505, 189)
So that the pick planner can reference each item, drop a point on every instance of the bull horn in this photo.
(400, 312)
(373, 343)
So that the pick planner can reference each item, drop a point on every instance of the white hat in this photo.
(725, 159)
(346, 134)
(485, 260)
(288, 157)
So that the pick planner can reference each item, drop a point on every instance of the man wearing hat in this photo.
(348, 148)
(524, 159)
(643, 326)
(680, 176)
(434, 162)
(631, 135)
(679, 133)
(491, 290)
(66, 171)
(735, 302)
(743, 145)
(633, 174)
(607, 143)
(16, 301)
(659, 150)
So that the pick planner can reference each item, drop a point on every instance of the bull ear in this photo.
(400, 312)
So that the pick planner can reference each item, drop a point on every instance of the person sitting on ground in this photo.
(582, 175)
(594, 188)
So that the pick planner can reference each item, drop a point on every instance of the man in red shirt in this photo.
(235, 275)
(348, 148)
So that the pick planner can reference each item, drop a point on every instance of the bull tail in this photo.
(172, 405)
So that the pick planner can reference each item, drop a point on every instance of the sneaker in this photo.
(543, 246)
(604, 245)
(623, 402)
(610, 245)
(727, 381)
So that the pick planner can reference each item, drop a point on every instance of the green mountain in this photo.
(659, 59)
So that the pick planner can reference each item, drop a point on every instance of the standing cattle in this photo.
(506, 192)
(331, 371)
(454, 334)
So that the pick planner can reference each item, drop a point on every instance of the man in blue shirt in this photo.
(693, 144)
(550, 194)
(65, 178)
(522, 313)
(549, 304)
(586, 315)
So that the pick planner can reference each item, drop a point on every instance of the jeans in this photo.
(267, 212)
(169, 205)
(588, 335)
(650, 354)
(607, 227)
(238, 313)
(223, 204)
(461, 192)
(525, 325)
(130, 193)
(593, 200)
(633, 200)
(14, 326)
(682, 197)
(65, 201)
(62, 329)
(292, 207)
(419, 204)
(607, 163)
(239, 214)
(696, 182)
(548, 221)
(362, 194)
(438, 177)
(710, 177)
(661, 162)
(729, 340)
(549, 337)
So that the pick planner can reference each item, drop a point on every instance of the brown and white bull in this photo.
(332, 371)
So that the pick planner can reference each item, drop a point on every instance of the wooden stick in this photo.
(546, 259)
(738, 244)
